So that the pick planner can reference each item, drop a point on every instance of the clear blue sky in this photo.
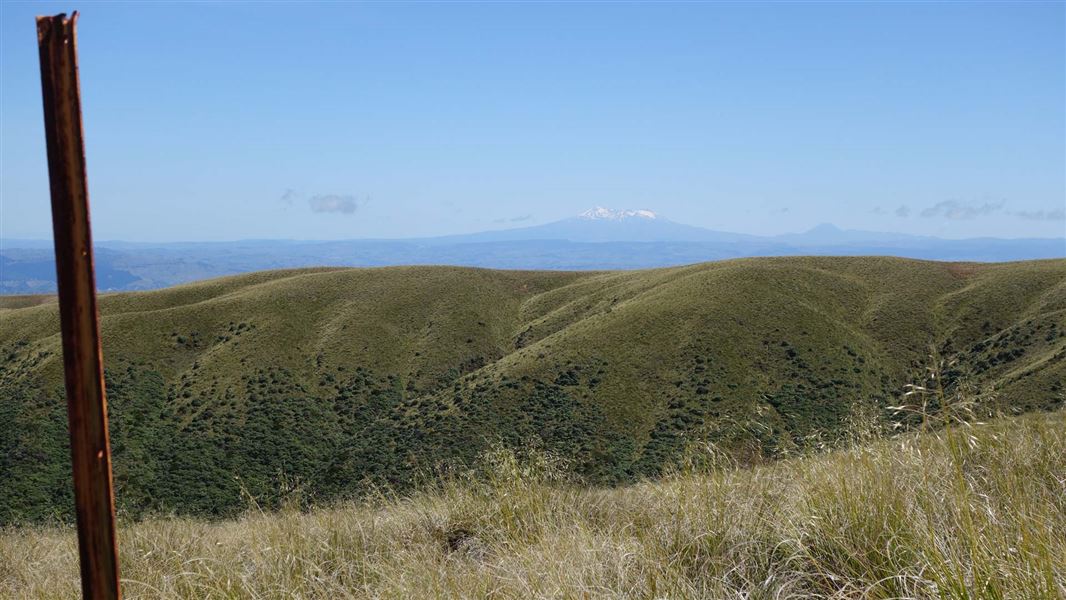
(340, 120)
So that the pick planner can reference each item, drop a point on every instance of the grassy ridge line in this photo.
(735, 313)
(971, 512)
(344, 379)
(292, 299)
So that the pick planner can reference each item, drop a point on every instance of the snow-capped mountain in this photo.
(608, 214)
(602, 224)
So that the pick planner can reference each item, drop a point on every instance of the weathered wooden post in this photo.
(82, 359)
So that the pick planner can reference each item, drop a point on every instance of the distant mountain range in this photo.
(599, 238)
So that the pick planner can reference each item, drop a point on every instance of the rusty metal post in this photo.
(90, 450)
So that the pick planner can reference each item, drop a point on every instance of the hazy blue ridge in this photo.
(27, 266)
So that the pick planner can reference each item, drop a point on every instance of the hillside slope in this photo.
(329, 380)
(957, 514)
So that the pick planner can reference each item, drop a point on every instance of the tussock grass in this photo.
(966, 512)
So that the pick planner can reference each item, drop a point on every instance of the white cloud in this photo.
(333, 203)
(955, 210)
(1041, 215)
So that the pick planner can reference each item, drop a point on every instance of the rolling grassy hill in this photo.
(327, 382)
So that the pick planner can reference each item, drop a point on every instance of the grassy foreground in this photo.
(974, 512)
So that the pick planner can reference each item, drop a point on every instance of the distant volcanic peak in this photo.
(609, 214)
(825, 228)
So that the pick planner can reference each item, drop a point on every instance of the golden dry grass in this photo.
(971, 512)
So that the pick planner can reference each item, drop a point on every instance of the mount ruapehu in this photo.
(597, 239)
